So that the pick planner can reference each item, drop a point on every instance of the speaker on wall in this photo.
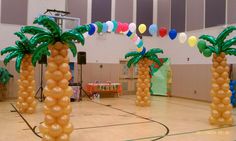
(43, 59)
(81, 58)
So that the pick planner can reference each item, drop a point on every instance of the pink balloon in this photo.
(135, 38)
(119, 28)
(125, 27)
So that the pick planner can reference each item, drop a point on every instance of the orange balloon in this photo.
(67, 109)
(216, 100)
(221, 107)
(58, 46)
(30, 110)
(63, 83)
(63, 137)
(220, 69)
(49, 101)
(68, 91)
(68, 128)
(52, 67)
(43, 128)
(57, 75)
(47, 137)
(56, 111)
(55, 130)
(30, 99)
(215, 114)
(220, 80)
(57, 92)
(226, 100)
(63, 120)
(51, 83)
(54, 52)
(64, 101)
(64, 68)
(64, 52)
(48, 119)
(227, 114)
(68, 76)
(58, 59)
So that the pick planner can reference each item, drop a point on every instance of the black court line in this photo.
(27, 123)
(112, 125)
(184, 133)
(158, 138)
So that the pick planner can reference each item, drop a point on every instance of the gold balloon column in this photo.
(143, 83)
(26, 102)
(57, 109)
(144, 60)
(220, 92)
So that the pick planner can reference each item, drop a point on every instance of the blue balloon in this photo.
(91, 30)
(143, 51)
(172, 34)
(232, 88)
(152, 29)
(104, 27)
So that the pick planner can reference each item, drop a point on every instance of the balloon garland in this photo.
(130, 31)
(118, 27)
(233, 90)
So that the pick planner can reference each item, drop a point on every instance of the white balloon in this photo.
(85, 34)
(132, 27)
(110, 26)
(137, 41)
(182, 37)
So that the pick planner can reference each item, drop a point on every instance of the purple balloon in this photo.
(172, 34)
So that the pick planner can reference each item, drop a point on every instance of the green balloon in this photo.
(207, 52)
(99, 25)
(201, 45)
(115, 25)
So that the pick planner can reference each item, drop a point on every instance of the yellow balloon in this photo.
(139, 49)
(142, 28)
(192, 41)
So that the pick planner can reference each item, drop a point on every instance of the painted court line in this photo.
(183, 133)
(112, 125)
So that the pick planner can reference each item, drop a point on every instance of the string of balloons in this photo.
(119, 27)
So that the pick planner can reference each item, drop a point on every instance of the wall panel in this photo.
(178, 15)
(14, 11)
(78, 9)
(215, 13)
(101, 10)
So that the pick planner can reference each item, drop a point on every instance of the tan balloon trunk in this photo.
(221, 109)
(57, 108)
(143, 83)
(26, 102)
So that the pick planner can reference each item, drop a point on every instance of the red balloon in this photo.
(119, 28)
(125, 27)
(162, 31)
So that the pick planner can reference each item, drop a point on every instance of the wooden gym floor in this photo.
(118, 119)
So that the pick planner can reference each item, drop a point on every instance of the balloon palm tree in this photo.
(220, 92)
(56, 125)
(23, 51)
(144, 60)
